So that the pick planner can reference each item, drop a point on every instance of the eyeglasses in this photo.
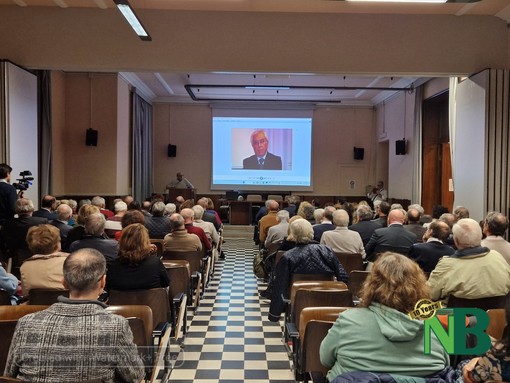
(261, 141)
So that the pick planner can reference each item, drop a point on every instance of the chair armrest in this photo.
(292, 330)
(285, 300)
(177, 299)
(158, 332)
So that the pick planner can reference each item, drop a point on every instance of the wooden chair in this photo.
(196, 264)
(180, 289)
(497, 323)
(45, 296)
(315, 323)
(9, 316)
(5, 298)
(356, 280)
(481, 303)
(351, 261)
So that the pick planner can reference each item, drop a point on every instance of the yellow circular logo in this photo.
(425, 309)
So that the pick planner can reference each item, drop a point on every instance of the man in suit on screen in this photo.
(262, 159)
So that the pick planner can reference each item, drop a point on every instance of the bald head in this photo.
(273, 205)
(396, 216)
(176, 222)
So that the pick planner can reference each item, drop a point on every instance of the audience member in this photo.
(101, 204)
(262, 211)
(128, 199)
(188, 216)
(414, 225)
(158, 224)
(278, 232)
(112, 224)
(472, 271)
(94, 343)
(460, 212)
(14, 231)
(293, 201)
(428, 254)
(9, 283)
(211, 210)
(268, 220)
(131, 216)
(379, 336)
(325, 224)
(47, 209)
(170, 209)
(146, 208)
(78, 231)
(208, 215)
(495, 226)
(392, 238)
(438, 210)
(318, 215)
(43, 270)
(382, 209)
(207, 227)
(64, 214)
(95, 238)
(365, 226)
(343, 240)
(306, 210)
(137, 266)
(7, 194)
(179, 239)
(305, 258)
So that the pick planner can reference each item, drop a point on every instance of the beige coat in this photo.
(43, 272)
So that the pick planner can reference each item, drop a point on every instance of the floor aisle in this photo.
(229, 339)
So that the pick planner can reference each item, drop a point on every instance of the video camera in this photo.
(25, 181)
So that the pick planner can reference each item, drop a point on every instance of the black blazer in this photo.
(392, 238)
(319, 229)
(43, 213)
(428, 254)
(272, 162)
(8, 199)
(365, 229)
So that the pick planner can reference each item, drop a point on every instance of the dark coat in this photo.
(319, 229)
(14, 232)
(417, 229)
(64, 231)
(43, 213)
(7, 201)
(107, 247)
(272, 162)
(365, 229)
(428, 254)
(392, 238)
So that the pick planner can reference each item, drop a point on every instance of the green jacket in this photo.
(380, 339)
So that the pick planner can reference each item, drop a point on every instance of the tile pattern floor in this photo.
(229, 338)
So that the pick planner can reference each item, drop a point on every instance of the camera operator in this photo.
(7, 194)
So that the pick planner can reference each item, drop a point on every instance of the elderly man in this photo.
(326, 223)
(268, 220)
(343, 240)
(392, 238)
(158, 224)
(382, 209)
(494, 227)
(278, 232)
(413, 224)
(473, 271)
(262, 159)
(188, 216)
(365, 226)
(428, 254)
(75, 339)
(179, 183)
(95, 238)
(179, 239)
(207, 227)
(47, 209)
(64, 213)
(101, 204)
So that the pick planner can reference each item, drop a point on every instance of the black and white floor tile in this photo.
(229, 338)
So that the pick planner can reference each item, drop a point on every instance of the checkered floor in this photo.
(229, 338)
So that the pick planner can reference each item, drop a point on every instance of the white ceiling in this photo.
(327, 88)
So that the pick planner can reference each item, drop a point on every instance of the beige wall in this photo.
(335, 132)
(100, 101)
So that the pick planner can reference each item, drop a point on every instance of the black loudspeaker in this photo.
(359, 153)
(400, 147)
(91, 137)
(172, 150)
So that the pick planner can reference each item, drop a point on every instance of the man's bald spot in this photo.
(396, 215)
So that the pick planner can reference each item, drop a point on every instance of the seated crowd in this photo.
(94, 250)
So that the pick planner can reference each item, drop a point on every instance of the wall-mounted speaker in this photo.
(400, 147)
(91, 137)
(359, 153)
(172, 150)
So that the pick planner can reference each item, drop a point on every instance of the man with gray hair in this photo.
(179, 239)
(326, 223)
(101, 204)
(207, 227)
(365, 226)
(268, 220)
(278, 232)
(473, 271)
(343, 240)
(494, 227)
(64, 213)
(158, 224)
(76, 339)
(95, 238)
(413, 224)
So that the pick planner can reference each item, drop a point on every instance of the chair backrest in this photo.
(497, 323)
(319, 298)
(9, 316)
(140, 321)
(193, 257)
(45, 296)
(254, 198)
(180, 277)
(159, 246)
(5, 298)
(310, 277)
(279, 255)
(315, 285)
(356, 280)
(350, 261)
(156, 299)
(481, 303)
(275, 197)
(273, 247)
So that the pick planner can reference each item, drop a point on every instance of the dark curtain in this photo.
(142, 148)
(44, 85)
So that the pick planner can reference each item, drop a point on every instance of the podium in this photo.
(173, 193)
